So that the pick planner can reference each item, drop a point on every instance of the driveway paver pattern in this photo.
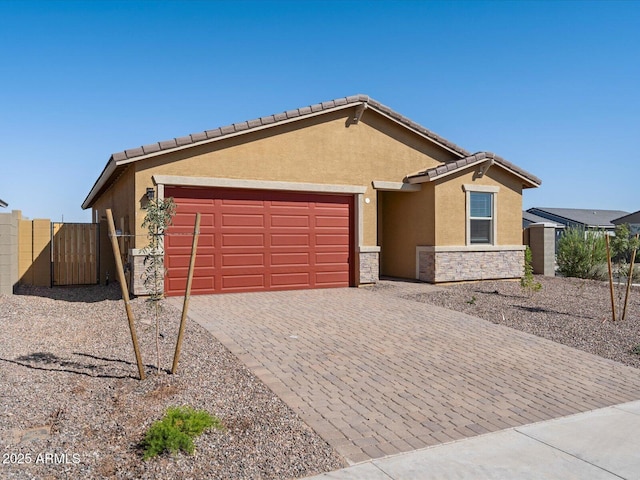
(375, 374)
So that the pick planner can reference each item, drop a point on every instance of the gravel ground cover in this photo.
(71, 405)
(571, 311)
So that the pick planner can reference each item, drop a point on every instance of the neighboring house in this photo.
(632, 219)
(328, 195)
(3, 204)
(588, 219)
(529, 218)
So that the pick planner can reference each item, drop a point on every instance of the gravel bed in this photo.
(570, 311)
(72, 406)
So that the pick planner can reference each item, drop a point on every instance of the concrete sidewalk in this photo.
(600, 444)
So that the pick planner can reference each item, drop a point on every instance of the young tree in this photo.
(159, 215)
(528, 282)
(622, 246)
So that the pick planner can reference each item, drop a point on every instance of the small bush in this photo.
(581, 253)
(527, 282)
(177, 430)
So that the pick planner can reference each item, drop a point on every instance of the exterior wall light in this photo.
(151, 193)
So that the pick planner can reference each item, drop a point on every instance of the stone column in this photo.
(542, 241)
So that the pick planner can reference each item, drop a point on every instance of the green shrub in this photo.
(527, 282)
(177, 430)
(581, 253)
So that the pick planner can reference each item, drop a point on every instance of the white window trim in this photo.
(494, 210)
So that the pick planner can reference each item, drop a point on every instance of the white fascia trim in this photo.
(480, 188)
(369, 249)
(395, 186)
(472, 248)
(181, 181)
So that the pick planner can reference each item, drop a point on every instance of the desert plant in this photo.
(527, 282)
(177, 430)
(158, 217)
(581, 253)
(622, 246)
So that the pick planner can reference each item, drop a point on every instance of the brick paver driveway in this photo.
(375, 374)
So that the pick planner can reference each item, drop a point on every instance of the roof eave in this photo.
(351, 102)
(112, 164)
(423, 177)
(108, 170)
(460, 153)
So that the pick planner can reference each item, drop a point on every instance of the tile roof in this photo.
(533, 218)
(118, 161)
(282, 117)
(583, 216)
(480, 157)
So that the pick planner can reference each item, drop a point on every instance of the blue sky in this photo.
(551, 86)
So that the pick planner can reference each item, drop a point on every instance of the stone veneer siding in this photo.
(136, 271)
(369, 267)
(461, 265)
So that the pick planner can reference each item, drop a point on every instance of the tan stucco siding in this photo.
(407, 220)
(120, 199)
(320, 150)
(450, 207)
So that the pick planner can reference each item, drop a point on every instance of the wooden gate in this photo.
(74, 253)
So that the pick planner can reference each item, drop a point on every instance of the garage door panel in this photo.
(286, 205)
(182, 261)
(260, 240)
(242, 220)
(242, 282)
(291, 279)
(242, 240)
(333, 222)
(245, 203)
(290, 221)
(331, 278)
(203, 271)
(332, 258)
(202, 283)
(296, 240)
(290, 258)
(198, 285)
(331, 239)
(243, 260)
(177, 241)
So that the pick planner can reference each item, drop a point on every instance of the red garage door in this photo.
(254, 240)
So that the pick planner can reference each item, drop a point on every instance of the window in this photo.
(481, 217)
(481, 214)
